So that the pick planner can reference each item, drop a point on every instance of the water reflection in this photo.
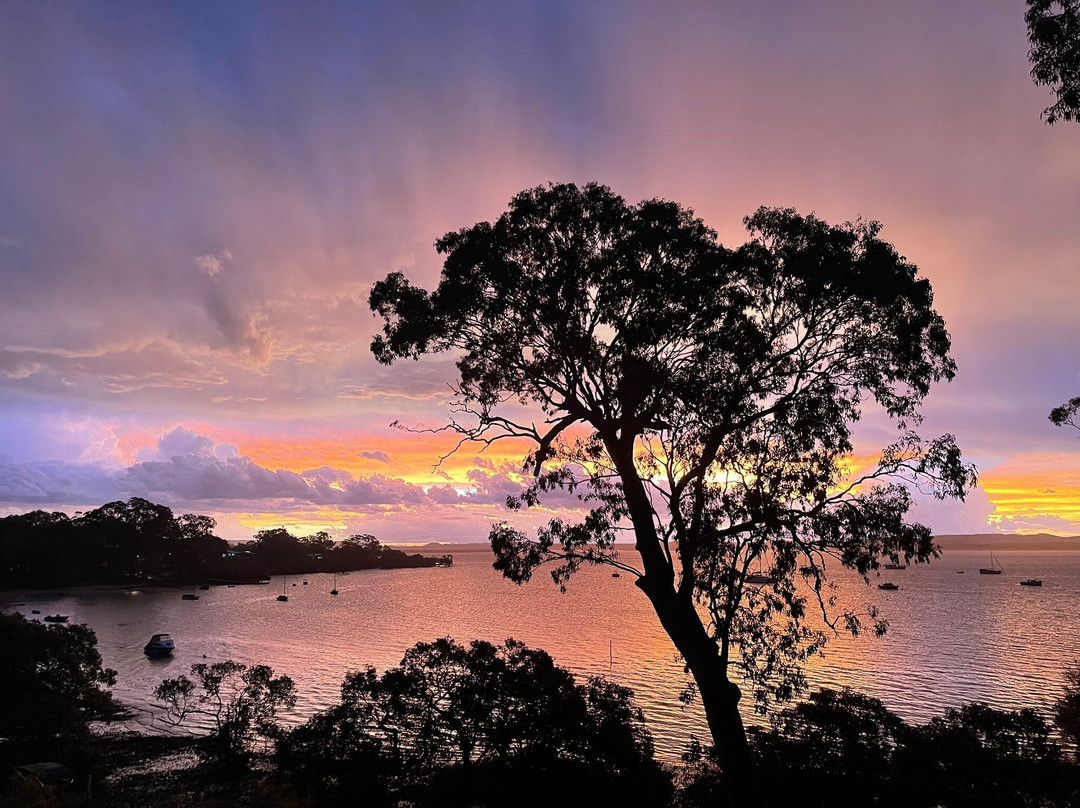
(952, 638)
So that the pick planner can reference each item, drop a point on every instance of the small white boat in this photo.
(159, 645)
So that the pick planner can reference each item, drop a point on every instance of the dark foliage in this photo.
(977, 756)
(1066, 414)
(139, 542)
(841, 740)
(133, 541)
(475, 726)
(51, 687)
(276, 552)
(1067, 710)
(242, 701)
(1054, 34)
(702, 396)
(856, 752)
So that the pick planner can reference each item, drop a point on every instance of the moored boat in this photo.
(1031, 582)
(887, 585)
(159, 645)
(56, 618)
(189, 597)
(993, 569)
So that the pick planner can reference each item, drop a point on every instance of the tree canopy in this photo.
(474, 720)
(703, 398)
(53, 686)
(1054, 34)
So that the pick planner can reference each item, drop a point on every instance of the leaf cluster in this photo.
(857, 752)
(1053, 28)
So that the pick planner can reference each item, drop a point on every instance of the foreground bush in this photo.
(856, 752)
(483, 725)
(52, 685)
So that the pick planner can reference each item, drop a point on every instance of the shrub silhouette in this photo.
(464, 725)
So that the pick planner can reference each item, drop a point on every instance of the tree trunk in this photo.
(719, 696)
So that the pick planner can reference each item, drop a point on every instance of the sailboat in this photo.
(334, 590)
(283, 597)
(993, 569)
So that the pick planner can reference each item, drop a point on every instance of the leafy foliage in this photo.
(1066, 414)
(1067, 709)
(460, 721)
(1054, 34)
(120, 541)
(53, 682)
(979, 756)
(242, 701)
(857, 753)
(700, 395)
(841, 740)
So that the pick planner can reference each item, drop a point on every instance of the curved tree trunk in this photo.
(719, 696)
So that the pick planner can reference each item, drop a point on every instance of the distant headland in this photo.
(140, 542)
(1007, 541)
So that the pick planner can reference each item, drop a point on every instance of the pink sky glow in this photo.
(196, 201)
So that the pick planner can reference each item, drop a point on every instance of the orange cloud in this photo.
(1039, 490)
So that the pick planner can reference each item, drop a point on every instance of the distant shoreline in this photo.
(1007, 541)
(957, 541)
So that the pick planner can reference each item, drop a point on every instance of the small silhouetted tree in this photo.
(242, 701)
(701, 396)
(1054, 34)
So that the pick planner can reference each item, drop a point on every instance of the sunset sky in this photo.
(195, 199)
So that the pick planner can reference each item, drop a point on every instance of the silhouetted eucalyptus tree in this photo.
(1054, 33)
(700, 395)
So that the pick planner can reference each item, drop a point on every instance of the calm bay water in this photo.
(953, 638)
